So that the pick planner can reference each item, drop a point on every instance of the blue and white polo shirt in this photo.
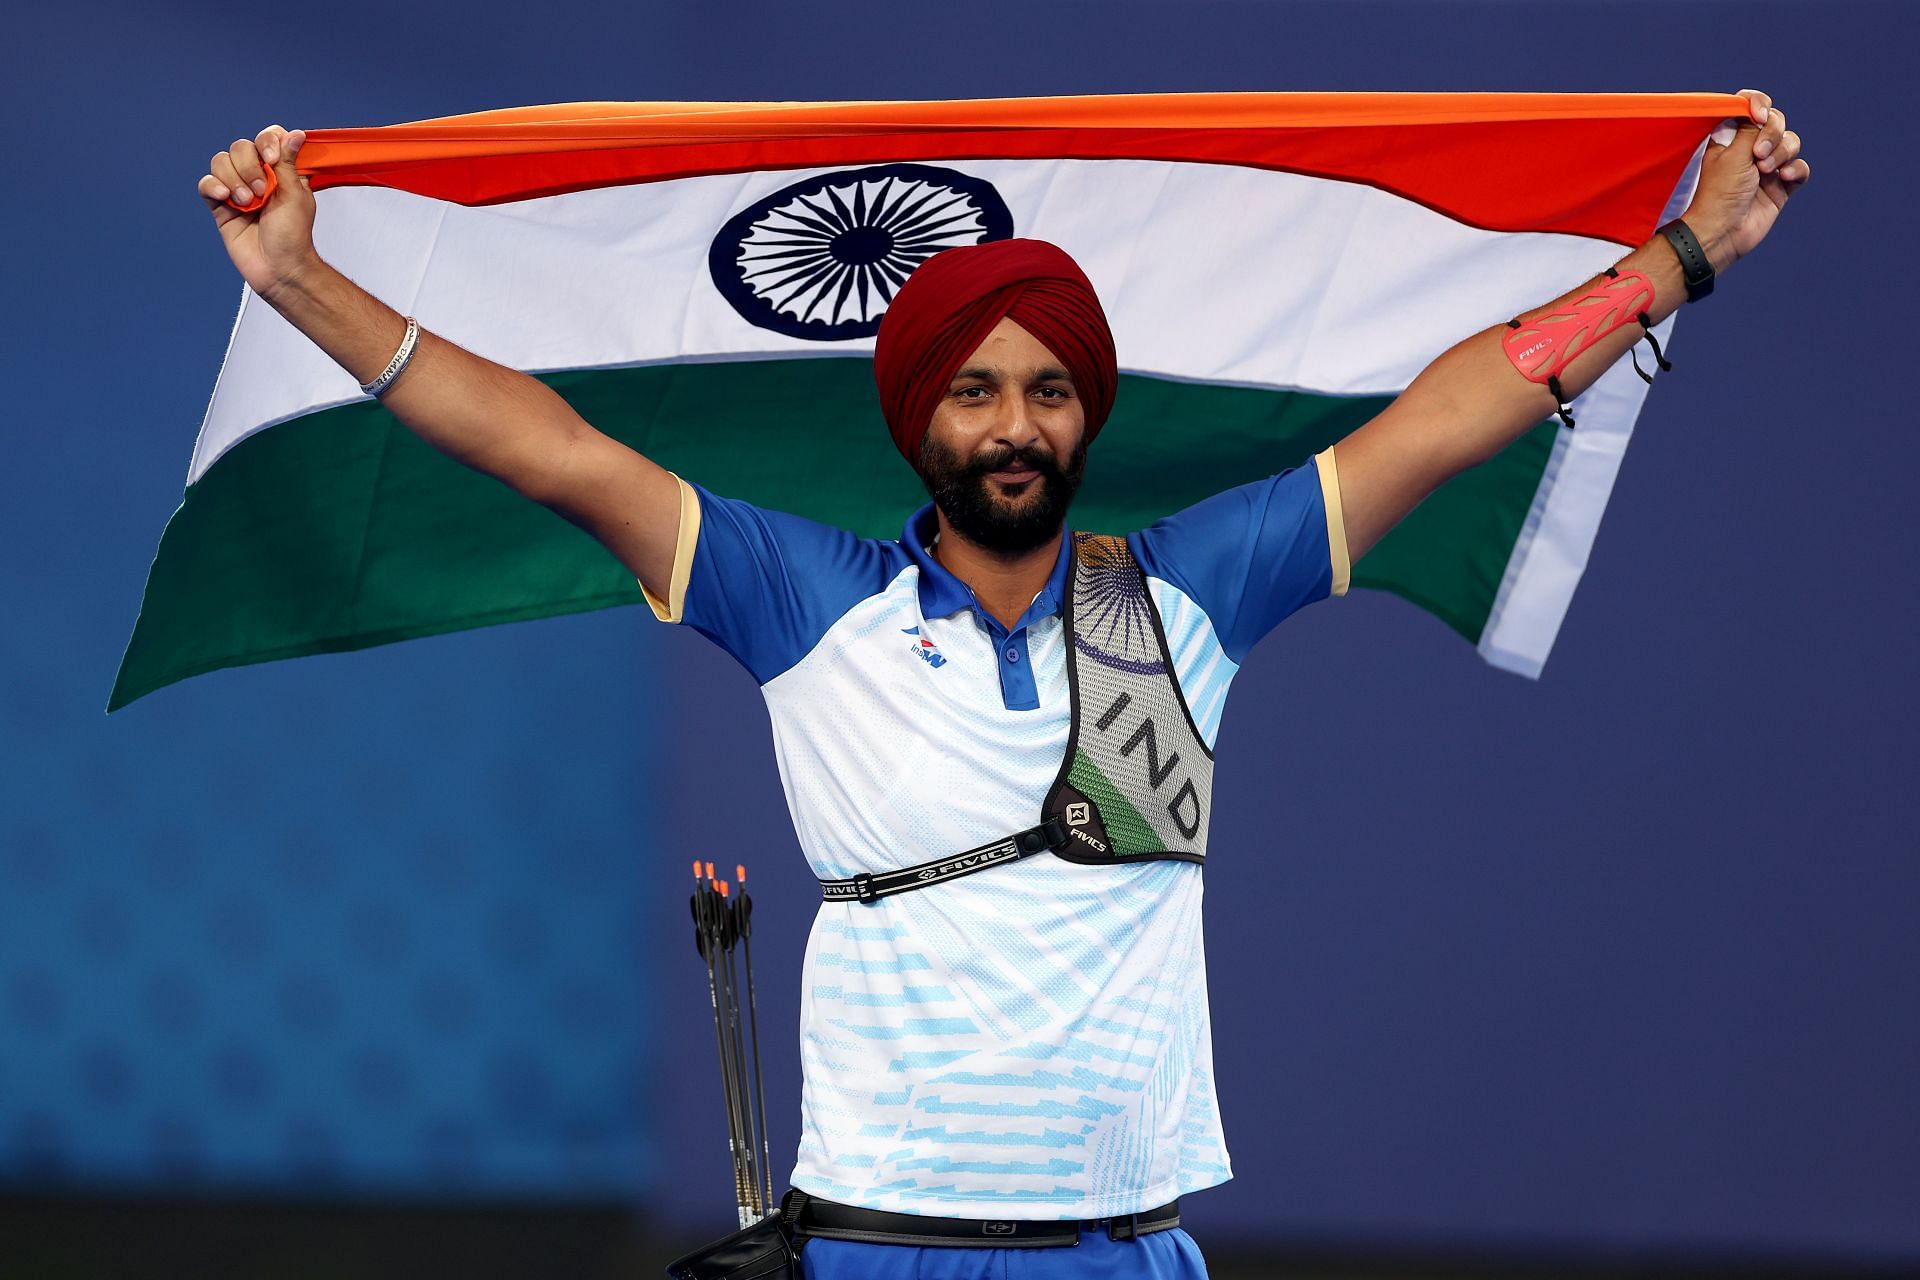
(1033, 1041)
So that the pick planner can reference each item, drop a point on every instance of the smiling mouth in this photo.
(1013, 486)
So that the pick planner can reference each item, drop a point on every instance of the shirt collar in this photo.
(941, 593)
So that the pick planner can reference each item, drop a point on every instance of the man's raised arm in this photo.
(1473, 401)
(492, 418)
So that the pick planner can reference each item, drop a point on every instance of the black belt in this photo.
(830, 1221)
(865, 887)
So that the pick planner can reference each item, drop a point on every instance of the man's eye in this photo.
(967, 393)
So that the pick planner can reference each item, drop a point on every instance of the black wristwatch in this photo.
(1694, 266)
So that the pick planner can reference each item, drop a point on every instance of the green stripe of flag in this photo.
(341, 530)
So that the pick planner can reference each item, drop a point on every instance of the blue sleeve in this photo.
(765, 585)
(1248, 557)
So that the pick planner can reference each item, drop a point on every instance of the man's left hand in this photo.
(1745, 184)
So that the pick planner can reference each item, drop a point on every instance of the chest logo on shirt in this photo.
(926, 650)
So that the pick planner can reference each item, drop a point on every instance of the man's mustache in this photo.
(1034, 456)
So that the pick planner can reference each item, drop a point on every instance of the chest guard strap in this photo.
(867, 887)
(1137, 781)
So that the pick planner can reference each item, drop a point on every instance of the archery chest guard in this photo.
(1137, 781)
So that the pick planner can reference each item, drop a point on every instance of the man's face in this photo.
(1006, 449)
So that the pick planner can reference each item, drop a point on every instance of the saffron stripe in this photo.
(1437, 149)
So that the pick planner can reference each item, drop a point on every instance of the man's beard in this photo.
(960, 488)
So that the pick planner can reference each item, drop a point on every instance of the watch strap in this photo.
(1695, 268)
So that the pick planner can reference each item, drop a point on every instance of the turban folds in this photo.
(951, 302)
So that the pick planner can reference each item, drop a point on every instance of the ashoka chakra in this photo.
(821, 259)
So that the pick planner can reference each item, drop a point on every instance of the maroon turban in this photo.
(952, 301)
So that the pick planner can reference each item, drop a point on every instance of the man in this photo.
(1003, 1042)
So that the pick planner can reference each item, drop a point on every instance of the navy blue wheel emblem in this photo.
(821, 259)
(1113, 621)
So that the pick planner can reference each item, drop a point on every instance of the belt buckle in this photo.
(1130, 1231)
(863, 888)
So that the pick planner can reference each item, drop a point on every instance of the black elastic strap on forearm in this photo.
(1664, 363)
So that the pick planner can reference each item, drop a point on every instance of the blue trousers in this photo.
(1164, 1255)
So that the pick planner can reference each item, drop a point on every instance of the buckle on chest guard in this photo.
(863, 888)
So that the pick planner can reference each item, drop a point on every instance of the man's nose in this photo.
(1017, 426)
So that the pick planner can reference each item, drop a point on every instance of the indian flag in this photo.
(704, 281)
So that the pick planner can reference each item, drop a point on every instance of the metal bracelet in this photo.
(399, 361)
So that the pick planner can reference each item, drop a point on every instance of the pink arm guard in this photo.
(1543, 347)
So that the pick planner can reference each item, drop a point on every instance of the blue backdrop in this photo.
(1620, 960)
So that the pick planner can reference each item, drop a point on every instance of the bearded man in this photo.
(995, 736)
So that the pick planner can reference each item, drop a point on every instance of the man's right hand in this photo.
(274, 244)
(494, 419)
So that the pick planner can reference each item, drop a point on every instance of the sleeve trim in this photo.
(1336, 520)
(674, 606)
